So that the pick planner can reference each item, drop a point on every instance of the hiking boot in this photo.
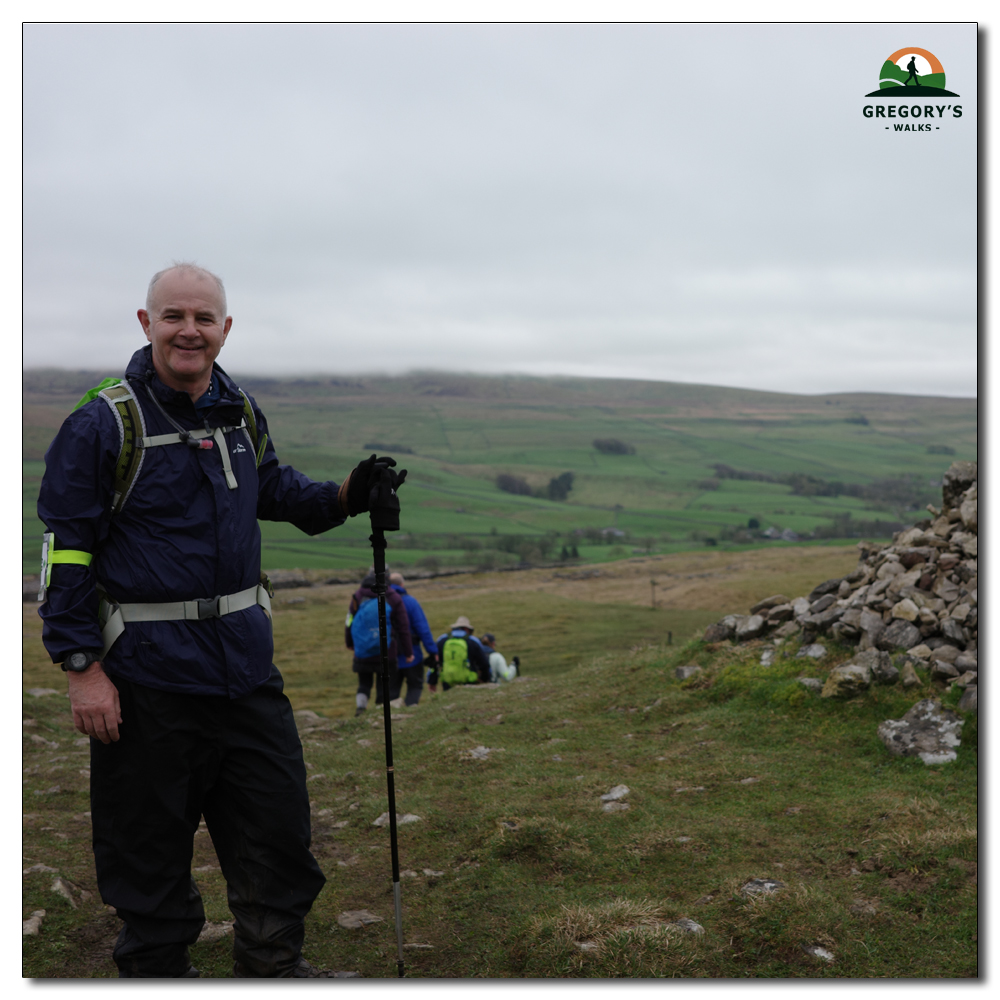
(360, 710)
(304, 970)
(192, 973)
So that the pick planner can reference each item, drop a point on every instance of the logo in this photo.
(911, 73)
(238, 449)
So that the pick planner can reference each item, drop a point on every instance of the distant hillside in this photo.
(833, 464)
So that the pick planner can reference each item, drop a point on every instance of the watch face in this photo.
(78, 661)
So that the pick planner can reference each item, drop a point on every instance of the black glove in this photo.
(360, 482)
(383, 504)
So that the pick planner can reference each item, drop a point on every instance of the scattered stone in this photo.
(688, 926)
(762, 887)
(927, 731)
(419, 947)
(749, 781)
(40, 868)
(618, 792)
(683, 673)
(699, 788)
(812, 683)
(969, 702)
(908, 675)
(587, 945)
(945, 652)
(864, 907)
(969, 677)
(921, 652)
(478, 753)
(214, 932)
(354, 919)
(409, 873)
(682, 840)
(767, 657)
(383, 820)
(718, 632)
(614, 807)
(899, 634)
(431, 872)
(817, 951)
(33, 924)
(41, 692)
(814, 650)
(793, 810)
(62, 887)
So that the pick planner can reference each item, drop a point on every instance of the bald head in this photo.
(397, 579)
(186, 269)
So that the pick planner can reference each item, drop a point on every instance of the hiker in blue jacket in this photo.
(367, 663)
(156, 609)
(413, 673)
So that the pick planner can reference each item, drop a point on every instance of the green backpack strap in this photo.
(131, 429)
(251, 422)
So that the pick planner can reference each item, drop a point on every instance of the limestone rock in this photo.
(908, 676)
(616, 793)
(969, 702)
(612, 807)
(927, 731)
(749, 628)
(768, 602)
(959, 477)
(355, 919)
(967, 660)
(688, 926)
(33, 924)
(811, 683)
(814, 651)
(781, 613)
(900, 634)
(718, 632)
(800, 606)
(906, 610)
(941, 671)
(762, 887)
(683, 673)
(214, 932)
(847, 680)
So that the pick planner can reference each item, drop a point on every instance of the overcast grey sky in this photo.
(696, 203)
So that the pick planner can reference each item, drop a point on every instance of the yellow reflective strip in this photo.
(70, 556)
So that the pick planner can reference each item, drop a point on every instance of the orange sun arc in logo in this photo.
(936, 66)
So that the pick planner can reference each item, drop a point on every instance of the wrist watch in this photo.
(79, 661)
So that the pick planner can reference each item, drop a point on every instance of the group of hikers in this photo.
(455, 657)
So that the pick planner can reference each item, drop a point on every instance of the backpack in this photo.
(364, 630)
(118, 394)
(455, 667)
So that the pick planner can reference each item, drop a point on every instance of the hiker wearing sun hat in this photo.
(463, 659)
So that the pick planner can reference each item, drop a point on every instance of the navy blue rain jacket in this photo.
(419, 629)
(182, 534)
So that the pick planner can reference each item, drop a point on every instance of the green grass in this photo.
(465, 430)
(878, 854)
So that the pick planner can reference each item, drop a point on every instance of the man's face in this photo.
(186, 326)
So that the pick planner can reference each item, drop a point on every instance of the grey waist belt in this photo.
(114, 616)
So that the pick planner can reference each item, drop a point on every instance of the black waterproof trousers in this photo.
(239, 764)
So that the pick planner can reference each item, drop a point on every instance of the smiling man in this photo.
(157, 612)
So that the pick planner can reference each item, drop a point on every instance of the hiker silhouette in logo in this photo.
(911, 67)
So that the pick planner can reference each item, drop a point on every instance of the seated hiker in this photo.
(500, 670)
(462, 658)
(412, 671)
(361, 635)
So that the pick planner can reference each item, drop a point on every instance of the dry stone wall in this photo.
(917, 597)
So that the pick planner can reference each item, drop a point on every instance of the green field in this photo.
(736, 774)
(465, 430)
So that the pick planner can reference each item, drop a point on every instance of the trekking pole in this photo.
(377, 539)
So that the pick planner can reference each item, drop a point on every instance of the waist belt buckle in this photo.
(208, 607)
